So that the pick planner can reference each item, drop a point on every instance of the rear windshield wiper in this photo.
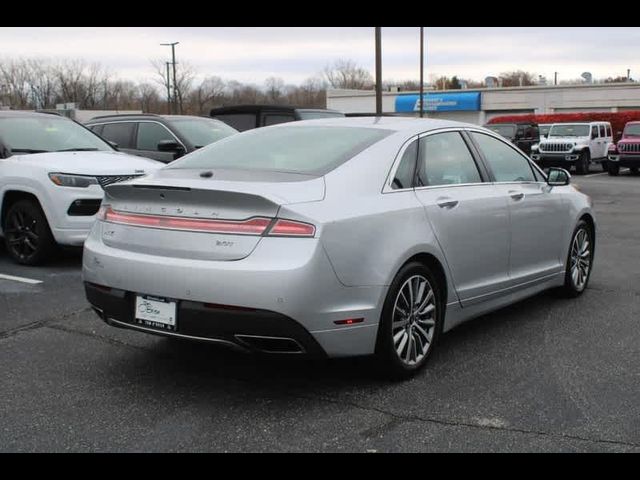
(27, 150)
(80, 149)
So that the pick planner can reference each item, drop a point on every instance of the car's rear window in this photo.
(312, 150)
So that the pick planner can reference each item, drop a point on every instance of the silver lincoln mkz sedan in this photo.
(337, 237)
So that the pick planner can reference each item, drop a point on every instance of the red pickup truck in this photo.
(625, 153)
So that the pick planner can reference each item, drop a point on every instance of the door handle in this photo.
(516, 195)
(447, 203)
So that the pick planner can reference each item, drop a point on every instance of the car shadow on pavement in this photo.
(171, 360)
(62, 258)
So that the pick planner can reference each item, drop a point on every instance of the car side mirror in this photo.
(113, 144)
(169, 146)
(558, 177)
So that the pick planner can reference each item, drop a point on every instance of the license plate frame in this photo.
(156, 312)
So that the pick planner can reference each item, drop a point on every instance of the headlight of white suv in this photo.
(78, 181)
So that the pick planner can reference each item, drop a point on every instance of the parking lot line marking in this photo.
(20, 279)
(596, 174)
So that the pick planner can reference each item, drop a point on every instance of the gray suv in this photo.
(160, 137)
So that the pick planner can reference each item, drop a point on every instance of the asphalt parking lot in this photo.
(547, 374)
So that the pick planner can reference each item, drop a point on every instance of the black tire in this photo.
(614, 170)
(571, 288)
(386, 355)
(582, 164)
(604, 165)
(634, 170)
(27, 235)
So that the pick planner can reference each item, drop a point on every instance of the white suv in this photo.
(52, 171)
(574, 144)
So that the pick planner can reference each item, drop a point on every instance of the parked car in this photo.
(52, 174)
(627, 151)
(160, 137)
(247, 117)
(522, 135)
(574, 144)
(343, 237)
(544, 129)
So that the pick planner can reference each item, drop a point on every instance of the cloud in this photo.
(252, 54)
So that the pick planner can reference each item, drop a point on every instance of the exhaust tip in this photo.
(270, 344)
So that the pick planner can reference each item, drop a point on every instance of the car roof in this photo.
(25, 113)
(141, 116)
(409, 125)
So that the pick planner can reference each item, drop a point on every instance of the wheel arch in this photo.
(588, 218)
(11, 196)
(435, 265)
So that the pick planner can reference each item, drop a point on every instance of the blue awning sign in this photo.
(439, 102)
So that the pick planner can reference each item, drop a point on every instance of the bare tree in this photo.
(185, 75)
(206, 95)
(275, 88)
(346, 74)
(517, 78)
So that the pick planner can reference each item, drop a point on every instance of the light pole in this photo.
(421, 72)
(175, 84)
(378, 71)
(168, 89)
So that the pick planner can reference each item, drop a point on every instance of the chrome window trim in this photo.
(518, 151)
(396, 163)
(140, 121)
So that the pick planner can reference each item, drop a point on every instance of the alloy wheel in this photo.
(21, 233)
(580, 259)
(414, 320)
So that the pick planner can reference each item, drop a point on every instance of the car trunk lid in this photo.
(201, 215)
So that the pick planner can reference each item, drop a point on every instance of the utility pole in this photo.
(628, 74)
(175, 83)
(555, 78)
(378, 71)
(168, 89)
(421, 72)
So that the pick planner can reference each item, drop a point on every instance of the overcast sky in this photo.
(251, 54)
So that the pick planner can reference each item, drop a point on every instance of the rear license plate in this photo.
(156, 312)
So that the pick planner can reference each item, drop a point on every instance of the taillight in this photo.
(290, 228)
(102, 212)
(251, 226)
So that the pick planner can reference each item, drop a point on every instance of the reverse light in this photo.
(77, 181)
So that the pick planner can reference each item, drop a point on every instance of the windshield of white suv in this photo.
(507, 131)
(632, 130)
(569, 130)
(202, 131)
(47, 133)
(306, 150)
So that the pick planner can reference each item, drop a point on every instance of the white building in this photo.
(480, 105)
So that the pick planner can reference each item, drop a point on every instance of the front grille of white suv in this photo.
(556, 147)
(105, 180)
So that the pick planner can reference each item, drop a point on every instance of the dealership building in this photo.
(478, 106)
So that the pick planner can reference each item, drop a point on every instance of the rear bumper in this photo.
(287, 283)
(625, 160)
(242, 329)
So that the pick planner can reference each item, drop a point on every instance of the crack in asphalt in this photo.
(396, 418)
(41, 323)
(404, 418)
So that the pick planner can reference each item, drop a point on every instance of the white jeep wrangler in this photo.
(574, 144)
